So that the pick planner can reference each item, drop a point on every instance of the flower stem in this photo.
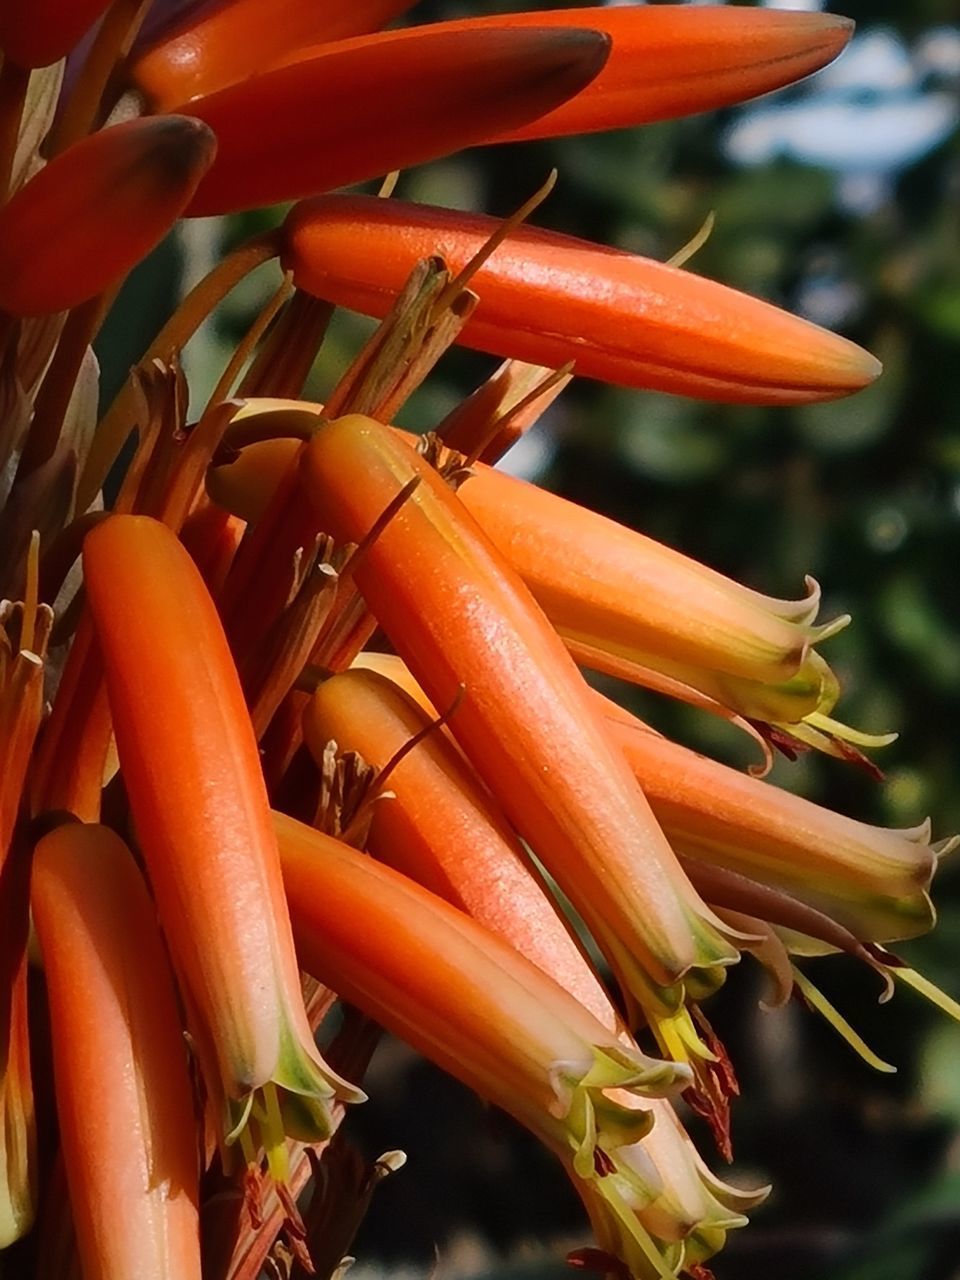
(13, 90)
(88, 102)
(53, 398)
(117, 423)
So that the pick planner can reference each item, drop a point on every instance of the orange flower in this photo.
(88, 217)
(675, 60)
(665, 61)
(460, 618)
(549, 299)
(192, 773)
(447, 92)
(611, 589)
(871, 880)
(441, 828)
(124, 1099)
(483, 1012)
(671, 60)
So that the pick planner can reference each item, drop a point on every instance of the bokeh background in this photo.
(839, 200)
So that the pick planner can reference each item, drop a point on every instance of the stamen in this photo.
(695, 243)
(818, 1001)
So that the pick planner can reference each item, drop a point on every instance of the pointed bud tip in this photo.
(579, 48)
(856, 368)
(831, 26)
(181, 145)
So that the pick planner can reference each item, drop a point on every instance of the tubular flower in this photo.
(871, 880)
(623, 603)
(200, 808)
(476, 1007)
(670, 61)
(448, 93)
(603, 586)
(123, 1090)
(88, 217)
(200, 604)
(438, 826)
(606, 587)
(525, 711)
(549, 299)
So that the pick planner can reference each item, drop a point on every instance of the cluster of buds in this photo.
(286, 714)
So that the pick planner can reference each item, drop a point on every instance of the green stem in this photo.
(88, 102)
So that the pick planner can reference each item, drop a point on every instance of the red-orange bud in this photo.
(410, 99)
(86, 219)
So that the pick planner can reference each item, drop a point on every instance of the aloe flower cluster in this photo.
(293, 708)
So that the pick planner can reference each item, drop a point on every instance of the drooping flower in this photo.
(479, 1009)
(623, 603)
(203, 52)
(664, 61)
(264, 72)
(449, 93)
(439, 826)
(461, 619)
(873, 881)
